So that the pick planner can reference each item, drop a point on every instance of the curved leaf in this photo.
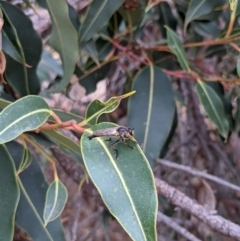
(62, 140)
(48, 67)
(199, 8)
(98, 14)
(66, 116)
(166, 18)
(28, 44)
(126, 185)
(26, 160)
(214, 107)
(151, 110)
(63, 39)
(9, 195)
(26, 114)
(97, 108)
(176, 47)
(30, 208)
(55, 201)
(10, 49)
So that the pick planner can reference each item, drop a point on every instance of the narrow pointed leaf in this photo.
(213, 107)
(66, 116)
(26, 114)
(98, 14)
(199, 8)
(151, 110)
(126, 185)
(10, 49)
(55, 201)
(62, 140)
(176, 47)
(26, 160)
(30, 208)
(9, 195)
(63, 39)
(166, 18)
(22, 75)
(97, 108)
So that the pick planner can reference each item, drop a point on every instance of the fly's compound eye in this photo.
(131, 131)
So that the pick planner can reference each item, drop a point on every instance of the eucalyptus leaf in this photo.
(126, 185)
(213, 107)
(199, 8)
(22, 75)
(30, 209)
(151, 110)
(9, 193)
(176, 47)
(99, 12)
(97, 108)
(166, 18)
(55, 201)
(25, 114)
(63, 39)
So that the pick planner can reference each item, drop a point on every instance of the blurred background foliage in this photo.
(181, 58)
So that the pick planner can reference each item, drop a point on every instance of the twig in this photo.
(198, 173)
(169, 222)
(191, 206)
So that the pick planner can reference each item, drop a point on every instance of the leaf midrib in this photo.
(23, 117)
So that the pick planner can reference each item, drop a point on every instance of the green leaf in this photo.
(28, 44)
(90, 49)
(66, 116)
(176, 47)
(199, 8)
(151, 110)
(55, 201)
(48, 65)
(99, 12)
(126, 185)
(30, 208)
(11, 43)
(206, 29)
(26, 160)
(63, 39)
(10, 49)
(25, 114)
(166, 18)
(9, 193)
(62, 140)
(213, 107)
(97, 108)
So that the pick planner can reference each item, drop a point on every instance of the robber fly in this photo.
(122, 133)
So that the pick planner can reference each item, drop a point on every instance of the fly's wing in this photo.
(104, 132)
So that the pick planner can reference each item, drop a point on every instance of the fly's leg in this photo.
(113, 144)
(125, 143)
